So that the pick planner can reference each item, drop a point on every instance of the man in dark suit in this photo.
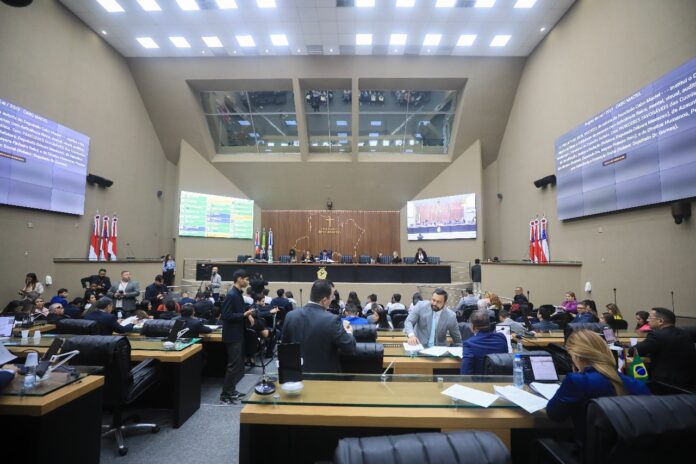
(203, 307)
(482, 343)
(102, 282)
(156, 291)
(232, 316)
(195, 325)
(671, 350)
(108, 323)
(321, 334)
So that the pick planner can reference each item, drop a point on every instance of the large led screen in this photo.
(202, 215)
(442, 218)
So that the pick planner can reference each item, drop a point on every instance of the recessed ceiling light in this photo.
(299, 51)
(484, 3)
(385, 143)
(542, 29)
(244, 123)
(432, 40)
(374, 134)
(180, 42)
(330, 50)
(341, 123)
(188, 5)
(111, 6)
(245, 41)
(398, 39)
(365, 3)
(266, 3)
(149, 5)
(212, 41)
(147, 42)
(500, 40)
(363, 39)
(279, 40)
(202, 52)
(226, 4)
(266, 50)
(466, 40)
(405, 3)
(103, 32)
(445, 3)
(290, 122)
(373, 143)
(525, 3)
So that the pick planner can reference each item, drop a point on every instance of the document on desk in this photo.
(212, 327)
(456, 351)
(547, 390)
(470, 395)
(5, 355)
(525, 400)
(412, 348)
(435, 351)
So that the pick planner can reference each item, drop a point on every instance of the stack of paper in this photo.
(435, 351)
(470, 395)
(547, 390)
(212, 327)
(412, 348)
(456, 351)
(521, 398)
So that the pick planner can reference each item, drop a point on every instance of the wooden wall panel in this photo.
(347, 232)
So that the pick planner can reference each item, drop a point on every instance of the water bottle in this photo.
(30, 365)
(517, 371)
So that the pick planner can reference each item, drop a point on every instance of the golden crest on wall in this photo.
(322, 273)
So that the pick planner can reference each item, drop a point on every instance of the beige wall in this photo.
(546, 284)
(196, 174)
(491, 215)
(462, 176)
(599, 53)
(52, 64)
(68, 275)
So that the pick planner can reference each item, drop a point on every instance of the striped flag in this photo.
(112, 240)
(270, 245)
(93, 254)
(263, 239)
(104, 244)
(257, 244)
(533, 254)
(545, 256)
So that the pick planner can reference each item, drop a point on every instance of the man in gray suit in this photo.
(124, 293)
(429, 323)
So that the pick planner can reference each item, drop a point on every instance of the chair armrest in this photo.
(550, 450)
(657, 387)
(144, 364)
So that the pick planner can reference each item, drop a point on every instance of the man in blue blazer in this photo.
(483, 342)
(7, 374)
(584, 316)
(108, 323)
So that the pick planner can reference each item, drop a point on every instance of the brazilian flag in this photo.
(637, 369)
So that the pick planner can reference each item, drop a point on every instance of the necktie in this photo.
(433, 327)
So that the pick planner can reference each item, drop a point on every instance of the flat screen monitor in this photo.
(214, 216)
(442, 218)
(640, 151)
(43, 165)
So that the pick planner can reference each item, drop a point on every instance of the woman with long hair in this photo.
(642, 325)
(353, 300)
(32, 287)
(569, 303)
(168, 270)
(615, 311)
(594, 376)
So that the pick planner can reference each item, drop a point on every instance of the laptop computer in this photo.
(539, 369)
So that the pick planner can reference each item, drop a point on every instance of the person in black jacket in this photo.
(476, 276)
(204, 308)
(232, 316)
(421, 256)
(156, 291)
(195, 325)
(321, 335)
(108, 323)
(671, 350)
(102, 282)
(56, 312)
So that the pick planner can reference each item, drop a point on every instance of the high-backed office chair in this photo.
(77, 327)
(619, 324)
(398, 317)
(470, 447)
(562, 319)
(465, 330)
(365, 333)
(630, 429)
(347, 259)
(285, 259)
(409, 260)
(256, 348)
(385, 260)
(364, 259)
(593, 326)
(368, 358)
(691, 330)
(157, 328)
(122, 385)
(466, 312)
(433, 260)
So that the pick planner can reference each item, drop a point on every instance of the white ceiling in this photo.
(311, 23)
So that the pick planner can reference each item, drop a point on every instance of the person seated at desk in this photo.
(185, 298)
(395, 258)
(594, 376)
(204, 308)
(169, 310)
(483, 342)
(7, 374)
(93, 290)
(519, 297)
(90, 305)
(584, 316)
(545, 324)
(371, 299)
(671, 350)
(196, 326)
(75, 307)
(108, 323)
(421, 256)
(291, 299)
(56, 312)
(261, 256)
(430, 322)
(137, 319)
(293, 255)
(350, 315)
(396, 304)
(505, 320)
(39, 308)
(307, 257)
(569, 304)
(324, 256)
(100, 281)
(642, 325)
(615, 311)
(61, 297)
(281, 302)
(378, 316)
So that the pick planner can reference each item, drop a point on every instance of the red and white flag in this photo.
(112, 239)
(104, 244)
(93, 254)
(532, 242)
(537, 240)
(545, 256)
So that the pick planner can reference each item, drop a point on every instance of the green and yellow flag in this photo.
(637, 369)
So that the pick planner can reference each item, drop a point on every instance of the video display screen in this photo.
(442, 218)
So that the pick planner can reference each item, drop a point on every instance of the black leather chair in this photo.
(77, 327)
(365, 333)
(367, 359)
(630, 429)
(346, 259)
(409, 260)
(593, 326)
(398, 317)
(285, 259)
(465, 330)
(424, 448)
(157, 328)
(385, 260)
(466, 312)
(501, 363)
(562, 319)
(256, 348)
(433, 260)
(691, 330)
(122, 385)
(364, 259)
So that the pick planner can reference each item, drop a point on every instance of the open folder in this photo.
(443, 350)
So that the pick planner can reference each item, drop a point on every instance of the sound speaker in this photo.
(681, 210)
(98, 180)
(544, 181)
(17, 3)
(160, 193)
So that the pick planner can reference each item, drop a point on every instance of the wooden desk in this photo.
(73, 412)
(424, 365)
(311, 432)
(544, 340)
(43, 328)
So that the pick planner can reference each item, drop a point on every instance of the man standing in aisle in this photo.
(125, 293)
(216, 283)
(476, 276)
(232, 316)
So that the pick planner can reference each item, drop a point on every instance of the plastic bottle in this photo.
(517, 371)
(30, 365)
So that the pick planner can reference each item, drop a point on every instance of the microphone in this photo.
(614, 295)
(130, 250)
(672, 292)
(301, 298)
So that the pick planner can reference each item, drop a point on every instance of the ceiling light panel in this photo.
(266, 3)
(398, 39)
(432, 40)
(363, 39)
(525, 3)
(149, 5)
(466, 40)
(245, 41)
(212, 41)
(279, 40)
(405, 3)
(188, 5)
(180, 42)
(445, 3)
(147, 42)
(111, 6)
(500, 40)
